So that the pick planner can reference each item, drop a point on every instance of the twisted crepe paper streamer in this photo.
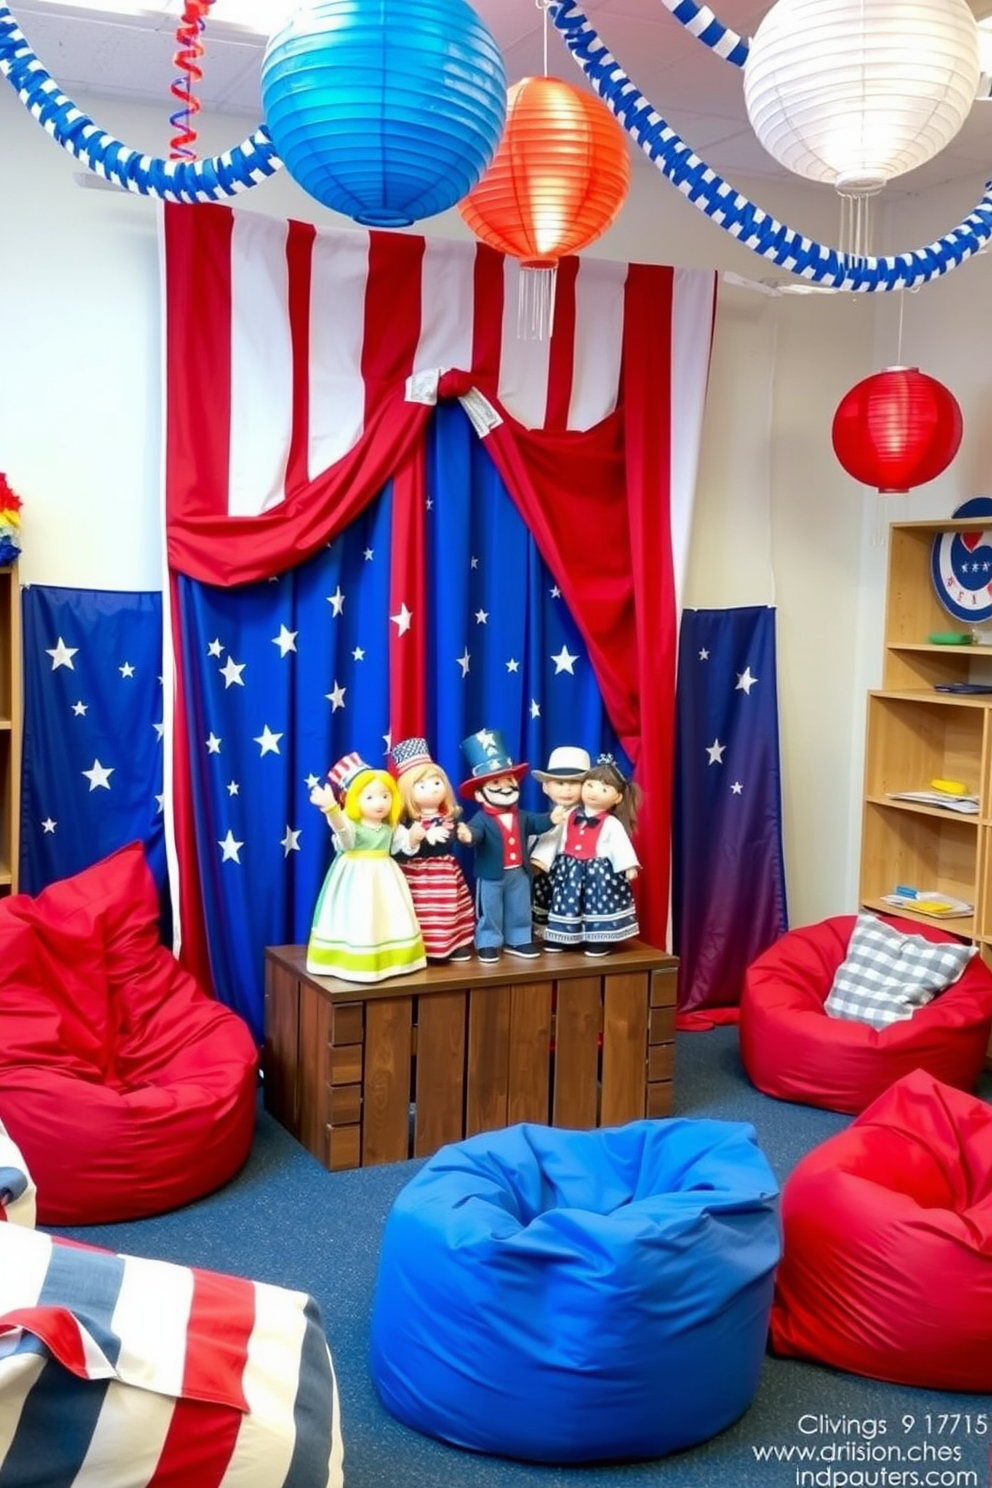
(190, 50)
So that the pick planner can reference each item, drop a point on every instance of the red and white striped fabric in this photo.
(17, 1190)
(117, 1372)
(299, 331)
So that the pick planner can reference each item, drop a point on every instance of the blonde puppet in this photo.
(364, 926)
(423, 843)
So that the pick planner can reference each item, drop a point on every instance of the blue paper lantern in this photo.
(387, 111)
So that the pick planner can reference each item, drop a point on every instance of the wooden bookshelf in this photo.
(916, 734)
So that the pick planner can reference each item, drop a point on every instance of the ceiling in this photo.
(96, 54)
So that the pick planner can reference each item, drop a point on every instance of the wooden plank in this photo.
(440, 1100)
(345, 1066)
(386, 1105)
(633, 955)
(344, 1148)
(344, 1105)
(348, 1024)
(529, 1085)
(280, 1057)
(661, 1062)
(578, 1024)
(661, 1025)
(487, 1065)
(664, 985)
(625, 1045)
(661, 1100)
(315, 1030)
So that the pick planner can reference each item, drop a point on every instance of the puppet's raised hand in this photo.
(463, 834)
(323, 797)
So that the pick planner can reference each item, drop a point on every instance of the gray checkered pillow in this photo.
(887, 976)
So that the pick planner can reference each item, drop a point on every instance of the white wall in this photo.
(777, 521)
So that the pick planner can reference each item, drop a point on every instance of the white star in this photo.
(230, 848)
(231, 672)
(62, 655)
(555, 592)
(311, 781)
(274, 578)
(512, 665)
(268, 741)
(535, 708)
(563, 661)
(475, 562)
(736, 788)
(233, 788)
(80, 709)
(215, 648)
(704, 655)
(368, 555)
(387, 739)
(336, 698)
(98, 776)
(336, 601)
(213, 744)
(285, 640)
(127, 670)
(429, 503)
(464, 661)
(358, 654)
(402, 620)
(291, 841)
(745, 681)
(48, 825)
(715, 752)
(481, 616)
(160, 804)
(159, 730)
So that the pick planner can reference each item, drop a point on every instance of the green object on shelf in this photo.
(950, 638)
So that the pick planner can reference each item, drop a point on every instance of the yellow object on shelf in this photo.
(950, 787)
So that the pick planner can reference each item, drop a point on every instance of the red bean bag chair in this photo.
(887, 1270)
(128, 1089)
(793, 1050)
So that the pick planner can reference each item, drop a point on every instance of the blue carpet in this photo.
(285, 1220)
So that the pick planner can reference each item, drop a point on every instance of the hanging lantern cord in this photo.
(543, 6)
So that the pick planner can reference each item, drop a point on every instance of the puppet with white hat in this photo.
(562, 782)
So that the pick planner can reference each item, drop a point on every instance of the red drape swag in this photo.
(597, 503)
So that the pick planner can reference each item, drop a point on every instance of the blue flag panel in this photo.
(287, 675)
(728, 890)
(92, 771)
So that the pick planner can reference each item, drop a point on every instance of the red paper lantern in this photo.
(556, 183)
(897, 429)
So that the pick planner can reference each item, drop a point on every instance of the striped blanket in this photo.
(117, 1372)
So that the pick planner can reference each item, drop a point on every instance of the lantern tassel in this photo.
(536, 302)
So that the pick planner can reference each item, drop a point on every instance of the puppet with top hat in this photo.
(364, 926)
(499, 834)
(422, 844)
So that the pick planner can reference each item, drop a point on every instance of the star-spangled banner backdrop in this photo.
(289, 674)
(728, 881)
(302, 366)
(93, 728)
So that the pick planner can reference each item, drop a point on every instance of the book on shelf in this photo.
(967, 805)
(930, 902)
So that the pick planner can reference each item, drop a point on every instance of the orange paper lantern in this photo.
(557, 182)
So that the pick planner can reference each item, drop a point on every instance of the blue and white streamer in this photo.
(700, 22)
(170, 180)
(732, 211)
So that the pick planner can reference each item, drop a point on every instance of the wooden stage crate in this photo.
(375, 1074)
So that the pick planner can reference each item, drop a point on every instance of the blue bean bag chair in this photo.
(564, 1296)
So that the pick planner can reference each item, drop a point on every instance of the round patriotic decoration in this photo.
(961, 567)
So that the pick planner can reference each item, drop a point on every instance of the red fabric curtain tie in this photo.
(454, 384)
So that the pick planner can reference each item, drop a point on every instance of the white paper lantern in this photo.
(855, 92)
